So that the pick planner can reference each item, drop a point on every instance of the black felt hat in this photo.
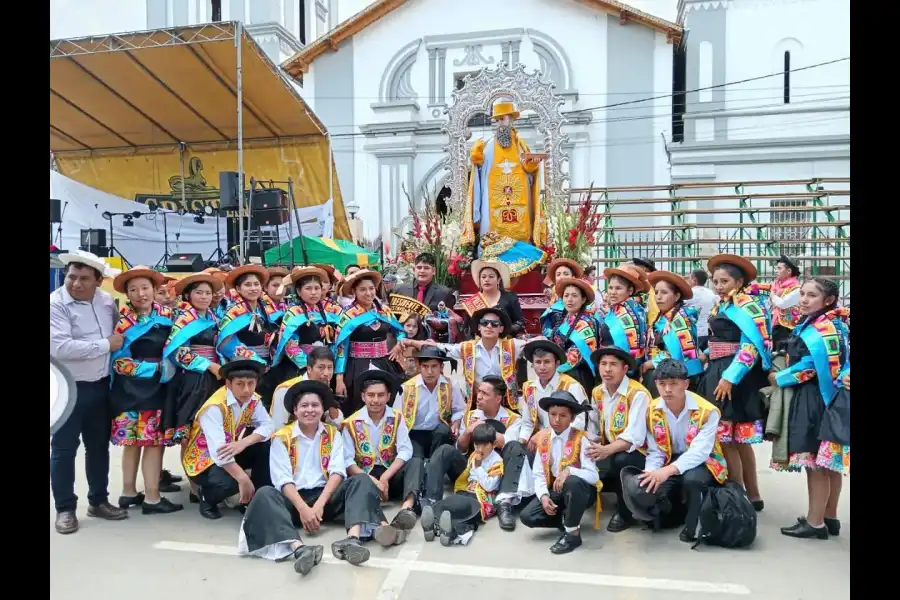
(563, 398)
(639, 501)
(431, 353)
(614, 351)
(377, 375)
(496, 425)
(504, 319)
(547, 345)
(647, 263)
(791, 263)
(308, 386)
(242, 365)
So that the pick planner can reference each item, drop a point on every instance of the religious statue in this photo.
(504, 185)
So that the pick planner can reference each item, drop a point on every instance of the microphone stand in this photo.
(217, 254)
(164, 260)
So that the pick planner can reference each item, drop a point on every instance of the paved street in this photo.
(153, 557)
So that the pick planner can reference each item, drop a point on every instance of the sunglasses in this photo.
(490, 323)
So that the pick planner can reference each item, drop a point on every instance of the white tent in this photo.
(83, 206)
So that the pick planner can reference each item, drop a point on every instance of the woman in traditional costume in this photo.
(819, 419)
(138, 394)
(573, 329)
(624, 324)
(249, 323)
(674, 333)
(785, 299)
(191, 347)
(739, 356)
(364, 331)
(305, 325)
(329, 288)
(275, 289)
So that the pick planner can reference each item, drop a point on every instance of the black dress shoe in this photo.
(168, 487)
(832, 525)
(805, 531)
(505, 516)
(126, 501)
(209, 511)
(167, 477)
(566, 544)
(619, 523)
(758, 505)
(193, 498)
(306, 557)
(687, 537)
(163, 507)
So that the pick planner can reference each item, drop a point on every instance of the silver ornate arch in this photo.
(528, 92)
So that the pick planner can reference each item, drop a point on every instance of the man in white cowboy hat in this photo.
(82, 324)
(504, 185)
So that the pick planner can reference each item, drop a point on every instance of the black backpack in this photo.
(727, 517)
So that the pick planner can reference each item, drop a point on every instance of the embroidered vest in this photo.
(571, 457)
(786, 317)
(620, 412)
(326, 441)
(485, 498)
(410, 402)
(507, 369)
(659, 429)
(529, 392)
(365, 452)
(197, 458)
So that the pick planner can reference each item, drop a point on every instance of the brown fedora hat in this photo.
(630, 274)
(577, 271)
(349, 282)
(124, 277)
(563, 282)
(209, 278)
(737, 261)
(278, 272)
(676, 280)
(258, 270)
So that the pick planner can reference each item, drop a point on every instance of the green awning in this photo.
(339, 253)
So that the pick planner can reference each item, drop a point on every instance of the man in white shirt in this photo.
(545, 357)
(618, 405)
(376, 443)
(319, 367)
(451, 461)
(309, 487)
(82, 335)
(230, 436)
(431, 404)
(565, 477)
(703, 300)
(684, 457)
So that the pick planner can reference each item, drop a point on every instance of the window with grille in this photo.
(791, 229)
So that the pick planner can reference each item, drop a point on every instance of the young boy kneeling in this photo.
(565, 478)
(472, 501)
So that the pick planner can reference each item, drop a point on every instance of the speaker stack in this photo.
(94, 241)
(268, 208)
(185, 263)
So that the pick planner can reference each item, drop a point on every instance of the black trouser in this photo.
(464, 509)
(216, 484)
(406, 481)
(91, 423)
(514, 456)
(446, 460)
(612, 482)
(684, 494)
(426, 442)
(576, 497)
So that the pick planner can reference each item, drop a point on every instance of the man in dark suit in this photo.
(423, 289)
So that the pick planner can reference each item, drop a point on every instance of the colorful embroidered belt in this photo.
(306, 348)
(261, 351)
(207, 352)
(368, 349)
(722, 349)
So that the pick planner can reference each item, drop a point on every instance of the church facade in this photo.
(382, 80)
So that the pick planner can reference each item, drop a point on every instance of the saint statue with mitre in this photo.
(504, 185)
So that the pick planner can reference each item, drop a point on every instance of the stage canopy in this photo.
(339, 253)
(141, 115)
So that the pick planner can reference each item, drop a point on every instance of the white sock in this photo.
(816, 526)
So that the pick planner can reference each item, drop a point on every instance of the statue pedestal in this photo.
(530, 290)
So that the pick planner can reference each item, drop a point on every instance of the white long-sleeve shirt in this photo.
(637, 416)
(427, 413)
(700, 448)
(527, 426)
(510, 435)
(789, 300)
(78, 332)
(587, 472)
(480, 474)
(213, 425)
(487, 362)
(308, 474)
(404, 446)
(704, 299)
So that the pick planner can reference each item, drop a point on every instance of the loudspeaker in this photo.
(229, 185)
(268, 199)
(93, 238)
(55, 211)
(185, 263)
(269, 218)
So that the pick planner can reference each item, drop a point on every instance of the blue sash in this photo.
(816, 345)
(576, 338)
(145, 370)
(748, 327)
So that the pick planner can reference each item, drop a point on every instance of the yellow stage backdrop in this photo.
(154, 176)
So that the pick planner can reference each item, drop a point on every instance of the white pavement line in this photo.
(396, 579)
(533, 575)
